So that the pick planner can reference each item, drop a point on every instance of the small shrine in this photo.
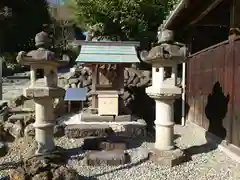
(167, 54)
(107, 61)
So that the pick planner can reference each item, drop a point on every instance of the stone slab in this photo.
(92, 143)
(24, 118)
(133, 130)
(123, 118)
(16, 117)
(115, 142)
(168, 158)
(37, 92)
(127, 129)
(20, 110)
(112, 158)
(87, 130)
(95, 118)
(105, 143)
(108, 146)
(87, 117)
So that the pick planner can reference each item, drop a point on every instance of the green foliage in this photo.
(19, 27)
(121, 19)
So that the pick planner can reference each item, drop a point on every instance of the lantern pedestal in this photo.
(164, 90)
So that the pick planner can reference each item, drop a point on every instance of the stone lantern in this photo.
(43, 94)
(167, 54)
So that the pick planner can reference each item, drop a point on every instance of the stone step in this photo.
(16, 77)
(102, 129)
(168, 158)
(24, 118)
(112, 158)
(87, 130)
(95, 118)
(16, 117)
(105, 143)
(123, 118)
(108, 146)
(20, 110)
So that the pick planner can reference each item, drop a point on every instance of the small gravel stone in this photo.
(205, 165)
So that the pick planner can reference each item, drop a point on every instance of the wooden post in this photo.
(94, 83)
(1, 84)
(69, 106)
(234, 19)
(230, 64)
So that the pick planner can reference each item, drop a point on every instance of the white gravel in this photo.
(214, 165)
(13, 88)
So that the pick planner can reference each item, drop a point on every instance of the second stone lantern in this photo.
(43, 94)
(167, 54)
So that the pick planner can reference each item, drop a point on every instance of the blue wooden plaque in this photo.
(76, 94)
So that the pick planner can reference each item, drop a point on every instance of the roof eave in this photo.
(182, 7)
(178, 8)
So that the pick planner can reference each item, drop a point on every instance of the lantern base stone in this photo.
(168, 158)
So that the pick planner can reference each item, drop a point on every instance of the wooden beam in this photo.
(210, 25)
(208, 10)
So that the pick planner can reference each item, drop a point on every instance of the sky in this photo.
(54, 1)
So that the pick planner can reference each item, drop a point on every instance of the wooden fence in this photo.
(213, 90)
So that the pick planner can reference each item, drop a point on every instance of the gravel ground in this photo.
(213, 165)
(13, 88)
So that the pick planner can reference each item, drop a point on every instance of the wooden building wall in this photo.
(213, 90)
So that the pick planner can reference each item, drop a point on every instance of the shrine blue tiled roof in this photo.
(108, 52)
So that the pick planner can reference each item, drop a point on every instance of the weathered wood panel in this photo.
(213, 90)
(236, 96)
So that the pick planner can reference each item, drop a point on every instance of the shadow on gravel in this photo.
(10, 165)
(215, 111)
(74, 153)
(142, 106)
(128, 166)
(137, 142)
(89, 178)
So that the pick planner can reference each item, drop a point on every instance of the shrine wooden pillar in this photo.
(234, 19)
(231, 121)
(94, 83)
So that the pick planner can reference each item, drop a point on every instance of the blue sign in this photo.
(76, 94)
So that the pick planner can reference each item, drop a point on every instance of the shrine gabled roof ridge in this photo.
(108, 52)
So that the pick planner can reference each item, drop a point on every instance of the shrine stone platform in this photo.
(76, 127)
(106, 143)
(106, 138)
(112, 158)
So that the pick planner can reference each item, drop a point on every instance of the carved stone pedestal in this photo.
(167, 158)
(43, 95)
(164, 90)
